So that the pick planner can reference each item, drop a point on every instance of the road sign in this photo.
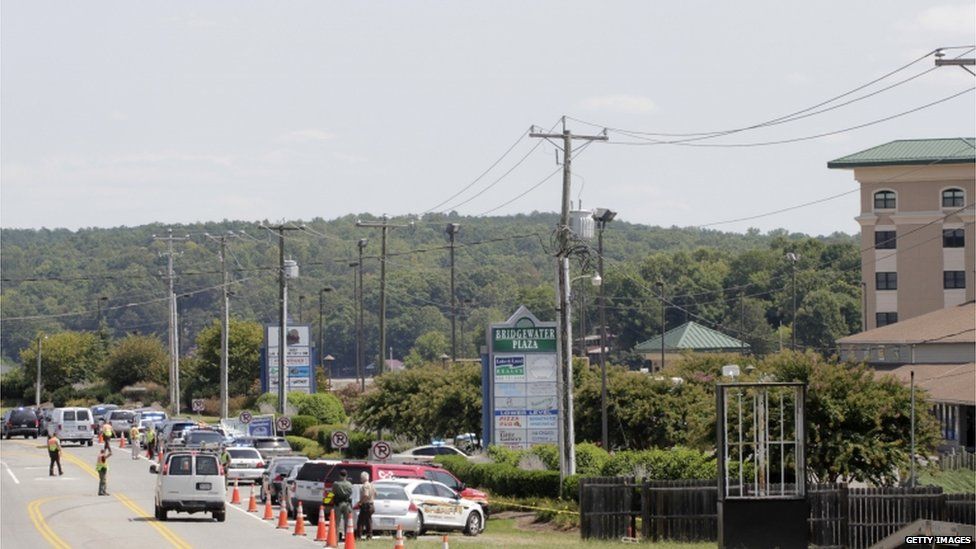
(381, 450)
(246, 417)
(198, 405)
(262, 426)
(340, 440)
(283, 423)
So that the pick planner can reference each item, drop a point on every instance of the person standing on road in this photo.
(134, 437)
(101, 466)
(151, 441)
(342, 499)
(107, 435)
(54, 452)
(367, 495)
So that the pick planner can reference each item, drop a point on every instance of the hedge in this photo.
(326, 407)
(305, 446)
(359, 443)
(300, 423)
(503, 479)
(661, 464)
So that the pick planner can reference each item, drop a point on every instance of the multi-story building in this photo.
(917, 213)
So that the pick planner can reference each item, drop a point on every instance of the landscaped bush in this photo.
(590, 459)
(305, 446)
(549, 455)
(326, 408)
(571, 487)
(502, 478)
(300, 423)
(660, 464)
(501, 454)
(359, 443)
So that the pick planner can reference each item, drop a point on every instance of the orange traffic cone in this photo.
(398, 544)
(236, 495)
(282, 517)
(350, 534)
(299, 521)
(101, 438)
(268, 511)
(252, 502)
(121, 442)
(321, 534)
(446, 545)
(333, 537)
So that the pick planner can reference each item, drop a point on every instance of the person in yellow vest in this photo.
(107, 435)
(151, 441)
(54, 452)
(134, 438)
(101, 466)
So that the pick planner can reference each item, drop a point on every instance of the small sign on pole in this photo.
(340, 440)
(197, 405)
(380, 450)
(246, 417)
(283, 423)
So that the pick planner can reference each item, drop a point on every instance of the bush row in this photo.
(502, 478)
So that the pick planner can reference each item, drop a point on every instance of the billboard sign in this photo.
(522, 367)
(261, 426)
(301, 373)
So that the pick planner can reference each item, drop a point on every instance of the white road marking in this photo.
(30, 468)
(9, 472)
(54, 479)
(273, 523)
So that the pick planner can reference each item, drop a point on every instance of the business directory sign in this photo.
(522, 366)
(300, 375)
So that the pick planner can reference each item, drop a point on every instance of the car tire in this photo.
(421, 530)
(8, 436)
(472, 526)
(160, 513)
(220, 516)
(89, 443)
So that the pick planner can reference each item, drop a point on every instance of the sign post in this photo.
(283, 424)
(197, 405)
(246, 417)
(380, 450)
(523, 382)
(340, 440)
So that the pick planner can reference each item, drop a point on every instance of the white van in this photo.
(71, 424)
(190, 482)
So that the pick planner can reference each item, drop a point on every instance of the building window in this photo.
(885, 281)
(953, 238)
(884, 200)
(884, 319)
(884, 240)
(953, 198)
(952, 280)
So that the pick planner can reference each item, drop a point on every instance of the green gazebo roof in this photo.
(692, 336)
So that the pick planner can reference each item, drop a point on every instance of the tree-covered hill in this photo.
(55, 279)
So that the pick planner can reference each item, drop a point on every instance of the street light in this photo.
(37, 392)
(327, 362)
(793, 258)
(452, 231)
(322, 293)
(602, 217)
(664, 317)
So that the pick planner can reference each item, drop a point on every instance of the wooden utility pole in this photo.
(564, 347)
(385, 226)
(174, 341)
(452, 231)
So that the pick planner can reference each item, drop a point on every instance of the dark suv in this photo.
(20, 421)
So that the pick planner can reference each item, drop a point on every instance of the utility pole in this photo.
(603, 216)
(358, 306)
(174, 345)
(322, 293)
(452, 230)
(564, 347)
(385, 225)
(224, 325)
(793, 259)
(282, 317)
(37, 388)
(664, 319)
(913, 431)
(361, 327)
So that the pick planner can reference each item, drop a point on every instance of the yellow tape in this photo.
(550, 510)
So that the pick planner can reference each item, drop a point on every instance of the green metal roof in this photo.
(909, 152)
(692, 336)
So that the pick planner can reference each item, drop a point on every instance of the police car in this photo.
(439, 508)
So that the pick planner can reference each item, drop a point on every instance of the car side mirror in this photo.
(462, 487)
(154, 469)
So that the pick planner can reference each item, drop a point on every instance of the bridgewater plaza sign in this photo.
(521, 394)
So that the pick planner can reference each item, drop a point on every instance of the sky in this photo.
(126, 113)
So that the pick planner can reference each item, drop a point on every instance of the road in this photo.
(43, 511)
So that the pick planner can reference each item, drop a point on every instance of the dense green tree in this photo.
(820, 320)
(243, 357)
(66, 358)
(428, 348)
(136, 358)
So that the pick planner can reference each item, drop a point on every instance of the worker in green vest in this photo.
(151, 441)
(101, 466)
(54, 452)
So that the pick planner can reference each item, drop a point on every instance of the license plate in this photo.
(82, 428)
(204, 486)
(385, 521)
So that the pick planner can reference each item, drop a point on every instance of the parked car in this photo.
(439, 508)
(98, 414)
(43, 417)
(20, 421)
(392, 508)
(427, 453)
(203, 439)
(309, 486)
(376, 471)
(121, 421)
(72, 425)
(246, 464)
(190, 482)
(270, 447)
(274, 474)
(172, 432)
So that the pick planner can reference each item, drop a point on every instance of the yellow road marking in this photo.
(37, 518)
(170, 536)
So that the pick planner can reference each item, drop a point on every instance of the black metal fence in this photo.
(687, 510)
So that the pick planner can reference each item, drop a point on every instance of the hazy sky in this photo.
(124, 113)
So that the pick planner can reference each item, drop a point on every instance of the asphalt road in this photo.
(37, 510)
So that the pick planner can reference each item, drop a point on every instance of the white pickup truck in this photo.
(190, 482)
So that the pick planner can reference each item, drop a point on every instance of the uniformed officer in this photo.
(54, 452)
(101, 466)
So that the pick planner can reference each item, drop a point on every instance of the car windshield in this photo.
(243, 453)
(353, 473)
(268, 444)
(313, 471)
(283, 467)
(122, 416)
(22, 415)
(390, 492)
(204, 437)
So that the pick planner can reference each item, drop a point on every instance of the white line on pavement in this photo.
(9, 472)
(255, 517)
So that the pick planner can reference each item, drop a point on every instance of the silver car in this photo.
(440, 508)
(246, 464)
(393, 508)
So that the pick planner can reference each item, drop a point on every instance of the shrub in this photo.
(501, 454)
(659, 464)
(305, 446)
(13, 384)
(549, 455)
(571, 487)
(62, 395)
(503, 479)
(590, 459)
(114, 398)
(81, 402)
(300, 423)
(325, 407)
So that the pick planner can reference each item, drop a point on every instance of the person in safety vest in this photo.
(54, 452)
(107, 435)
(151, 441)
(101, 466)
